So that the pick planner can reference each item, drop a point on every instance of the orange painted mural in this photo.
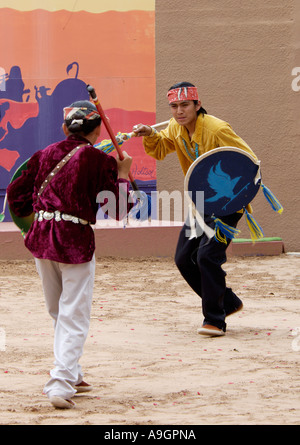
(49, 55)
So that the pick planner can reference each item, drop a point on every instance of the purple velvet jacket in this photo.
(73, 191)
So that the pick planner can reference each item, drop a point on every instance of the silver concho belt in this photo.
(58, 216)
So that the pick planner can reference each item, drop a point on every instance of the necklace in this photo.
(192, 156)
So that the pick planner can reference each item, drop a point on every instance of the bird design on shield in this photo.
(222, 184)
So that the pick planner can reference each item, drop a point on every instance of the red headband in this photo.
(183, 93)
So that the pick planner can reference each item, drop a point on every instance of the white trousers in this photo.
(68, 290)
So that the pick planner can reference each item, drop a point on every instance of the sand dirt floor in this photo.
(143, 355)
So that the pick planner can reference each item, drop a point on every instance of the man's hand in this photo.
(124, 165)
(142, 130)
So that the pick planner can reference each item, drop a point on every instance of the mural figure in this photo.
(25, 126)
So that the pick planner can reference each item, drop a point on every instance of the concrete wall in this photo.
(241, 55)
(139, 241)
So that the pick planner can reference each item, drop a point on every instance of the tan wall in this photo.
(240, 54)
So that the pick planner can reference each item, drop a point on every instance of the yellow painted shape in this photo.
(94, 6)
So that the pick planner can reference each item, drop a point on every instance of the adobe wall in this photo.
(241, 55)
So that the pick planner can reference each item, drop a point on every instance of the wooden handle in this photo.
(158, 125)
(93, 95)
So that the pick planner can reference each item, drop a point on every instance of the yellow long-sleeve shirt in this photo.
(210, 133)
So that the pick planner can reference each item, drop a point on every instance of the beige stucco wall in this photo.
(240, 54)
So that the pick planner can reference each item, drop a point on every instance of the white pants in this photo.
(68, 290)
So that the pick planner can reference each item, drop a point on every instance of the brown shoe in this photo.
(211, 331)
(83, 387)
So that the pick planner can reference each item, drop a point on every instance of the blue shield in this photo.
(228, 176)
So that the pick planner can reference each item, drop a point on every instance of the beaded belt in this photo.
(58, 216)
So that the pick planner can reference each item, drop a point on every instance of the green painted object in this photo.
(25, 222)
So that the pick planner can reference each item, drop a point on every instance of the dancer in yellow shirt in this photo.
(190, 133)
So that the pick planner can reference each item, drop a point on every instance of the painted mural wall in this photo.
(49, 54)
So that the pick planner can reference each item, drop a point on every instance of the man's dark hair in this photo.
(88, 125)
(188, 84)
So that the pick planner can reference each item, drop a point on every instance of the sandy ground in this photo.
(143, 355)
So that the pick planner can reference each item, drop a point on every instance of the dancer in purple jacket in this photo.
(60, 186)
